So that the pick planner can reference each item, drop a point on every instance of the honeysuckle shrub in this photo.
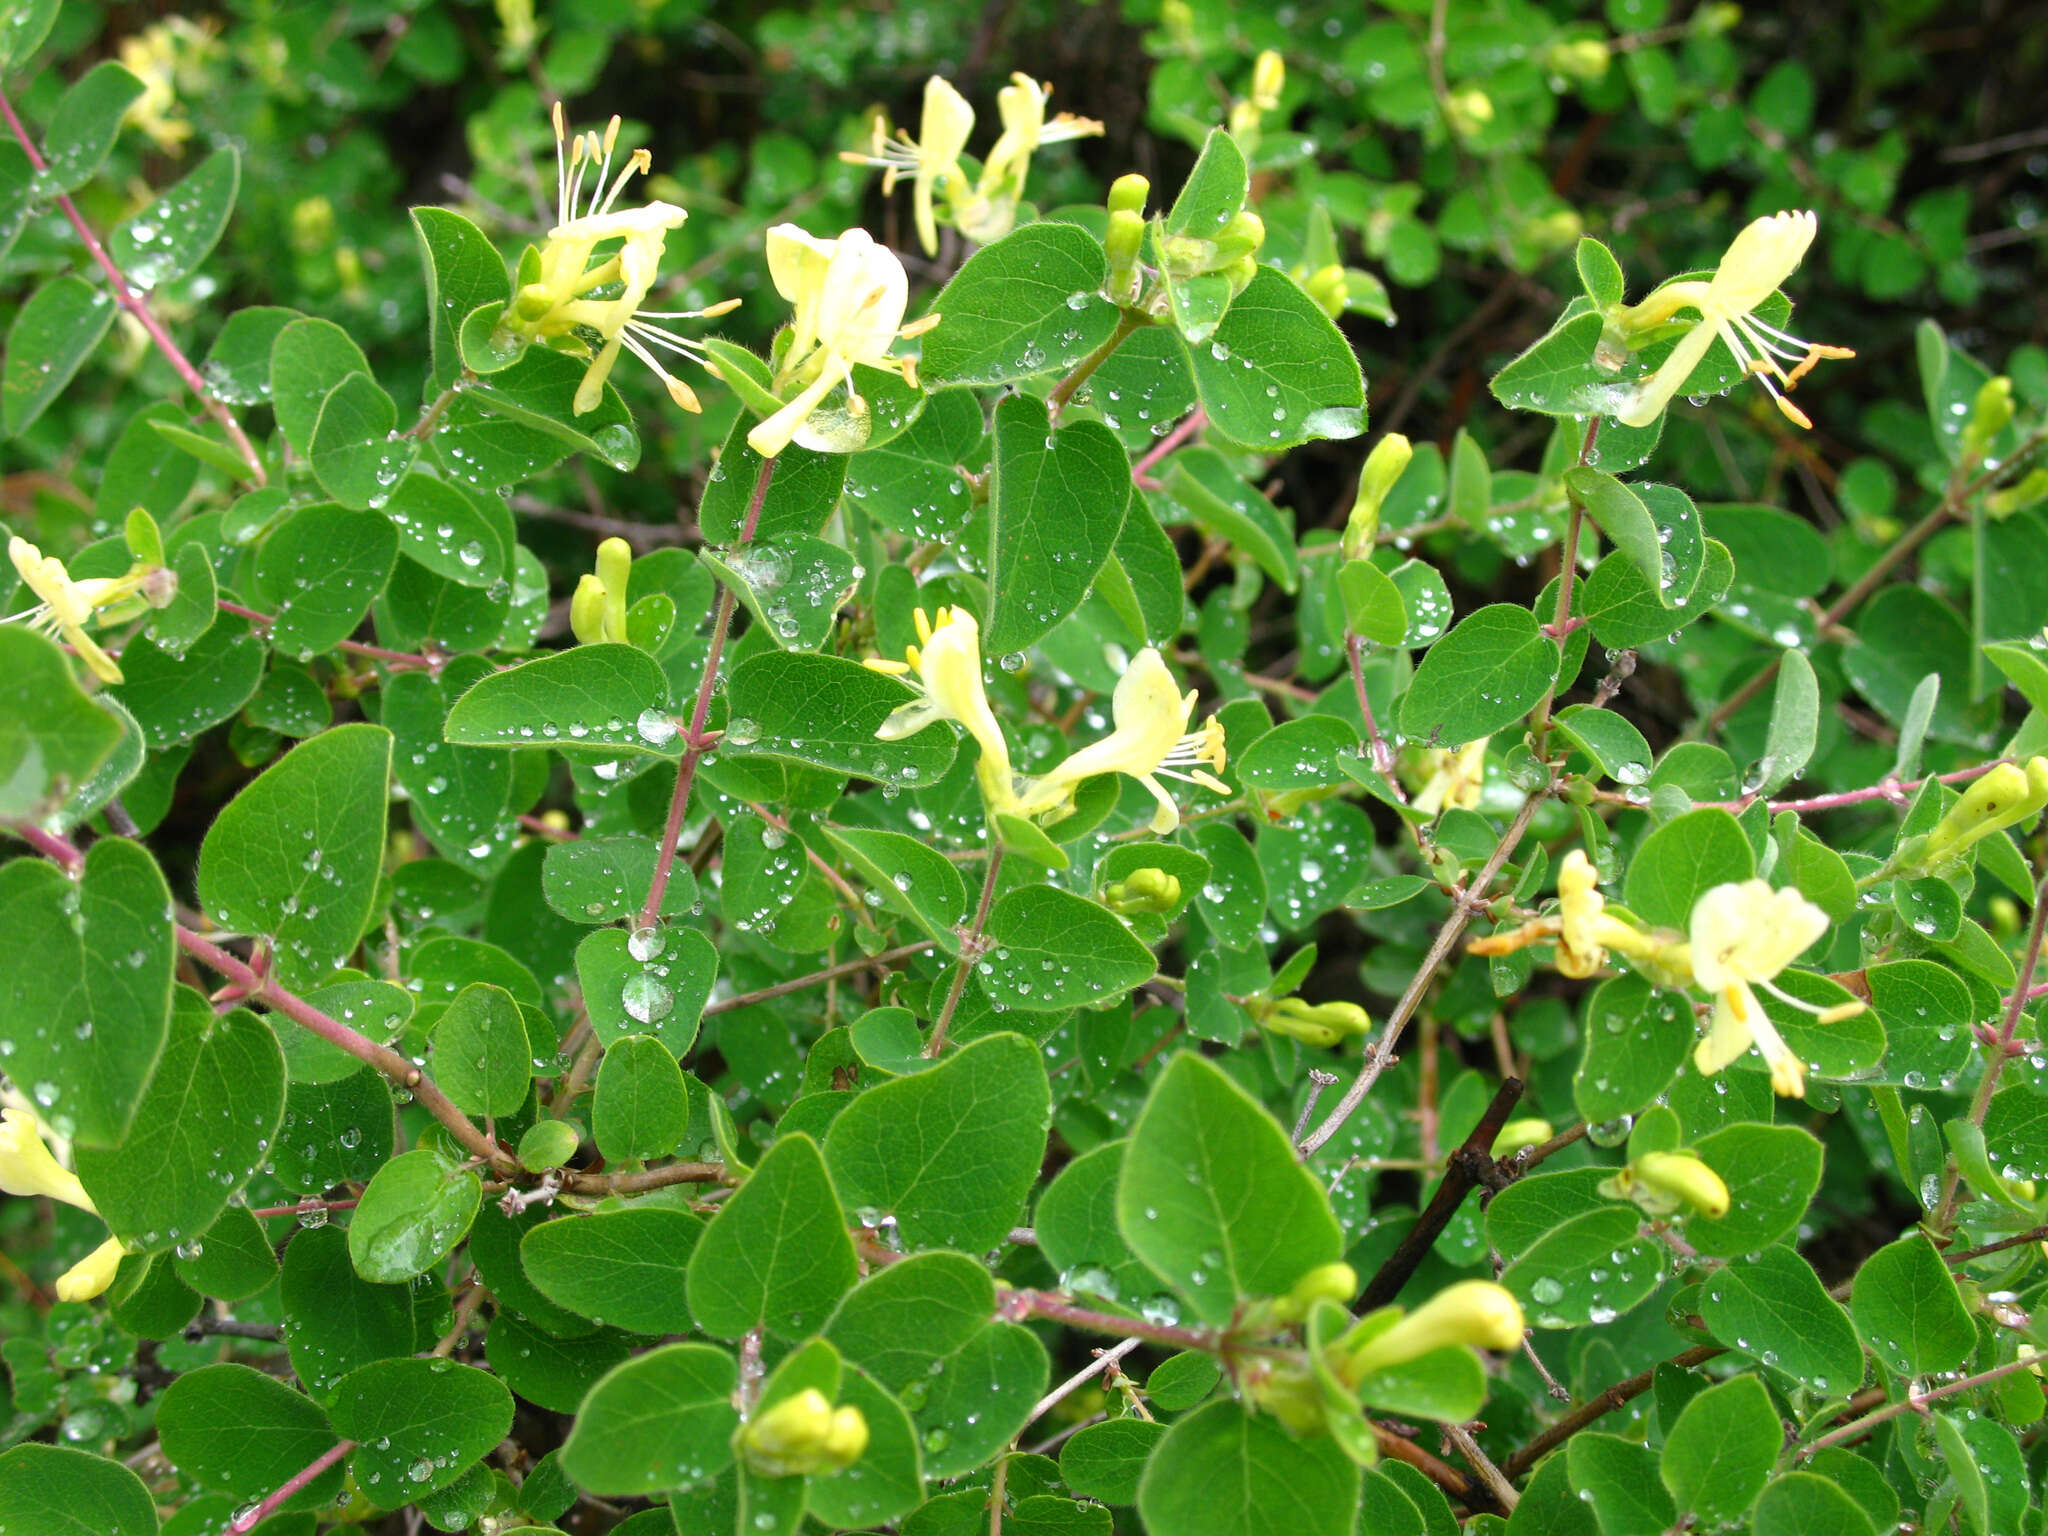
(711, 849)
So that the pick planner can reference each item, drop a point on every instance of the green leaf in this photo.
(54, 1490)
(464, 272)
(520, 422)
(1720, 1453)
(1214, 191)
(1224, 1472)
(24, 24)
(203, 1126)
(793, 584)
(913, 484)
(667, 991)
(1599, 273)
(1488, 672)
(168, 239)
(1794, 727)
(307, 360)
(1909, 1313)
(295, 856)
(234, 1261)
(444, 531)
(1299, 754)
(418, 1424)
(1616, 1477)
(605, 879)
(548, 1372)
(824, 711)
(1615, 745)
(145, 473)
(414, 1211)
(482, 1058)
(321, 568)
(801, 494)
(1105, 1461)
(1212, 1197)
(52, 737)
(1772, 1173)
(911, 877)
(335, 1321)
(87, 120)
(624, 1268)
(88, 1020)
(663, 1421)
(1773, 1307)
(1278, 372)
(52, 335)
(1202, 484)
(356, 455)
(952, 1152)
(1637, 1037)
(1027, 304)
(1681, 861)
(1802, 1504)
(1056, 507)
(1054, 950)
(641, 1108)
(458, 794)
(1624, 608)
(776, 1255)
(923, 1328)
(234, 1429)
(176, 696)
(1373, 605)
(599, 701)
(1554, 1278)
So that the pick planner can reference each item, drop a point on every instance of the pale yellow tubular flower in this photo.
(932, 159)
(92, 1274)
(1742, 935)
(559, 304)
(1149, 740)
(945, 667)
(1021, 104)
(1455, 778)
(64, 607)
(1756, 264)
(1581, 917)
(27, 1167)
(848, 295)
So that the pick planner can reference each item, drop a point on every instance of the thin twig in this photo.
(1912, 1402)
(1502, 1490)
(249, 1520)
(971, 945)
(819, 978)
(1103, 1360)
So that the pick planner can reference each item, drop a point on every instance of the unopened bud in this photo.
(1476, 1313)
(1336, 1282)
(1241, 237)
(1469, 111)
(1143, 890)
(802, 1436)
(586, 610)
(1317, 1024)
(2005, 796)
(1239, 274)
(1124, 242)
(27, 1167)
(158, 587)
(1713, 20)
(1990, 414)
(1329, 288)
(1384, 467)
(1683, 1177)
(1289, 1392)
(1269, 78)
(91, 1274)
(1517, 1134)
(1555, 231)
(1580, 58)
(615, 570)
(1128, 194)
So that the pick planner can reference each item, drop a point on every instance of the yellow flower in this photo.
(1021, 104)
(1455, 778)
(1760, 259)
(27, 1167)
(2004, 797)
(155, 56)
(558, 306)
(945, 668)
(932, 158)
(1743, 935)
(1472, 1312)
(1581, 917)
(849, 295)
(1150, 741)
(65, 606)
(91, 1274)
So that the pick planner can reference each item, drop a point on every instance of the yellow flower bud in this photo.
(1330, 287)
(1143, 890)
(91, 1274)
(1990, 414)
(1336, 1282)
(1124, 242)
(28, 1169)
(1581, 58)
(1384, 467)
(615, 570)
(2005, 796)
(1517, 1134)
(803, 1436)
(1128, 194)
(1469, 111)
(1317, 1024)
(1269, 78)
(1681, 1176)
(1240, 238)
(1472, 1312)
(586, 610)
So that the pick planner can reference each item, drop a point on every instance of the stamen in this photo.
(678, 391)
(561, 170)
(639, 161)
(661, 338)
(1828, 1013)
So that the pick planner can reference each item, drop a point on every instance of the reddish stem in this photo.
(270, 1505)
(1189, 425)
(397, 660)
(138, 306)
